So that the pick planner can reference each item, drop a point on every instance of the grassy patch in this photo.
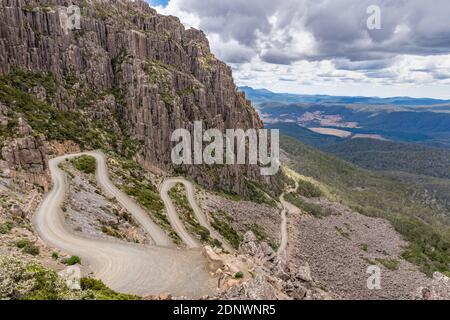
(32, 281)
(180, 200)
(256, 194)
(86, 164)
(135, 185)
(100, 291)
(27, 247)
(221, 224)
(308, 208)
(390, 264)
(6, 227)
(308, 189)
(261, 235)
(112, 232)
(73, 260)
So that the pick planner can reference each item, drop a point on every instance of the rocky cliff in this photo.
(133, 74)
(24, 154)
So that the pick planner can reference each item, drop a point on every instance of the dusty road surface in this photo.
(199, 215)
(286, 208)
(124, 267)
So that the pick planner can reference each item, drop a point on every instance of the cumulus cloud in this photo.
(287, 33)
(290, 30)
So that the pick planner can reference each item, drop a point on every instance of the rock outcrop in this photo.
(24, 154)
(273, 278)
(156, 75)
(438, 290)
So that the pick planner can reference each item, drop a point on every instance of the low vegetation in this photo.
(86, 164)
(134, 183)
(61, 125)
(180, 200)
(258, 195)
(97, 290)
(112, 232)
(73, 260)
(308, 208)
(343, 233)
(390, 264)
(20, 280)
(308, 189)
(28, 247)
(261, 235)
(6, 227)
(221, 222)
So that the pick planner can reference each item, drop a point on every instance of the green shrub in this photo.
(223, 227)
(111, 232)
(308, 189)
(28, 247)
(86, 164)
(100, 291)
(239, 275)
(22, 243)
(31, 249)
(257, 194)
(73, 260)
(55, 255)
(6, 227)
(390, 264)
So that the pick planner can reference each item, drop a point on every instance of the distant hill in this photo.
(305, 135)
(263, 95)
(401, 119)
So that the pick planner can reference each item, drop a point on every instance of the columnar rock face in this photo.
(161, 76)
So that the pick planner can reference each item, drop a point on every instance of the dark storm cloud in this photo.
(267, 28)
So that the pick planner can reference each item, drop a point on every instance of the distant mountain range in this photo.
(258, 96)
(325, 119)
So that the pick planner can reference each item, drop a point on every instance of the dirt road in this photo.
(286, 208)
(199, 215)
(124, 267)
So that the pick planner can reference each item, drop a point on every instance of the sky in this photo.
(326, 46)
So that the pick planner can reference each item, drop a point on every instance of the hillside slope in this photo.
(392, 156)
(426, 229)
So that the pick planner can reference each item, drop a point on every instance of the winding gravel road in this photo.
(159, 237)
(174, 219)
(286, 208)
(124, 267)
